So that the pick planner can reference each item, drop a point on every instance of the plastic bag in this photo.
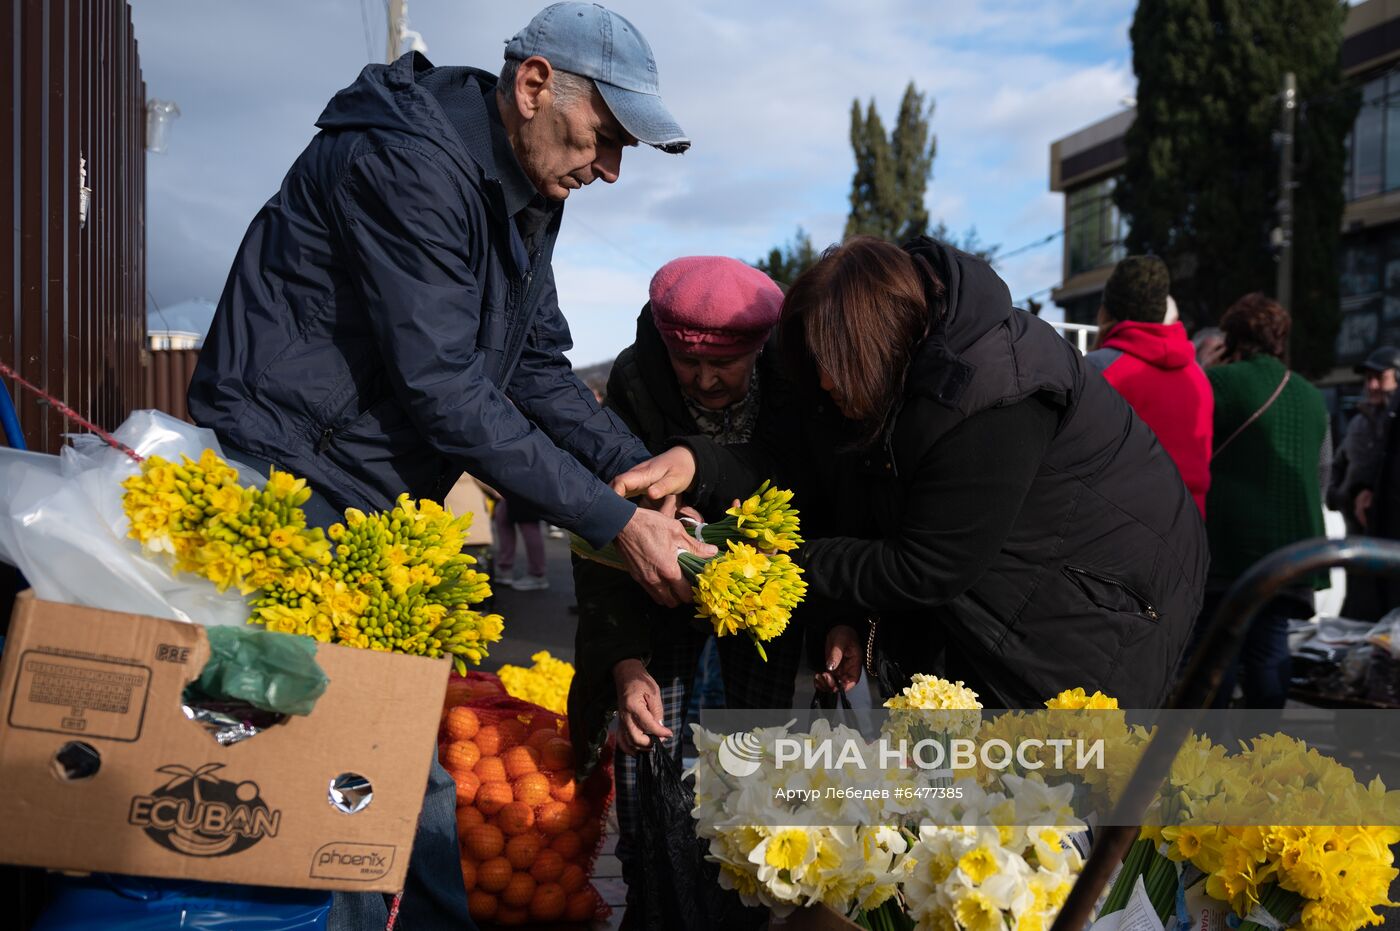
(1385, 635)
(126, 903)
(530, 833)
(265, 669)
(679, 888)
(62, 524)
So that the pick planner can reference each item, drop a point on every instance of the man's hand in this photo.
(844, 657)
(1362, 506)
(650, 543)
(639, 708)
(670, 473)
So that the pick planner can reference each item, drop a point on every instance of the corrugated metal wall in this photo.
(72, 299)
(168, 374)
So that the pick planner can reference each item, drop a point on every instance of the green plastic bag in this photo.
(269, 670)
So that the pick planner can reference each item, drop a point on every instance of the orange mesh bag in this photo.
(530, 833)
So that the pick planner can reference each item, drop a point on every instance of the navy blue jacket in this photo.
(383, 330)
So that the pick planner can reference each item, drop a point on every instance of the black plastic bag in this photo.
(678, 889)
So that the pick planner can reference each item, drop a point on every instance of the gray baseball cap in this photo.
(589, 40)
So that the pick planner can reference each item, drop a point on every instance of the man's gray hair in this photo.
(569, 88)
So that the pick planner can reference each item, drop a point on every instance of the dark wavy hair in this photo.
(1255, 324)
(859, 314)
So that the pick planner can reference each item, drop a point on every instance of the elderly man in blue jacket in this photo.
(391, 319)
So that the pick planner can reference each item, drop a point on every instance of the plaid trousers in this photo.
(749, 682)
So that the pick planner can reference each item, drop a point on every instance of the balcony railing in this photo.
(1081, 334)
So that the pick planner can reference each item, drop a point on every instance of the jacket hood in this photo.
(976, 302)
(395, 98)
(977, 299)
(1160, 345)
(654, 366)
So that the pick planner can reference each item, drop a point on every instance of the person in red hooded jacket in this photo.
(1146, 356)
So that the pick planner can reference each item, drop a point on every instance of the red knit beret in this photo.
(709, 305)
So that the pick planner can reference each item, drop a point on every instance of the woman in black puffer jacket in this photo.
(967, 486)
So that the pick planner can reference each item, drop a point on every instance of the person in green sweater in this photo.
(1269, 466)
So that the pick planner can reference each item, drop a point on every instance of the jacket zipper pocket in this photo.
(1145, 607)
(328, 431)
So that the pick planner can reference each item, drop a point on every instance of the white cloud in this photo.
(764, 90)
(601, 305)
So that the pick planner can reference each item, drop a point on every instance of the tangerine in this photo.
(583, 906)
(562, 785)
(523, 850)
(515, 818)
(573, 878)
(549, 902)
(482, 905)
(461, 723)
(483, 841)
(553, 818)
(512, 733)
(460, 756)
(494, 875)
(520, 761)
(508, 917)
(558, 754)
(567, 845)
(532, 789)
(490, 769)
(493, 796)
(469, 873)
(519, 890)
(541, 736)
(488, 739)
(467, 786)
(467, 816)
(579, 810)
(548, 865)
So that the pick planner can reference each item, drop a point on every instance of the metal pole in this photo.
(1284, 288)
(1217, 650)
(396, 23)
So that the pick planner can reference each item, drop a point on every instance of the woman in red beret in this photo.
(698, 367)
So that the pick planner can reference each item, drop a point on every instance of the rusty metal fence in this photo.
(168, 373)
(72, 198)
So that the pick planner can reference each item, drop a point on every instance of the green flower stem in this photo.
(1133, 865)
(1280, 903)
(1161, 881)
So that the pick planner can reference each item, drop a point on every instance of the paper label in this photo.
(80, 695)
(1137, 915)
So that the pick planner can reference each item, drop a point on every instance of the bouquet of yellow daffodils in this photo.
(395, 581)
(1100, 785)
(752, 585)
(1315, 878)
(546, 683)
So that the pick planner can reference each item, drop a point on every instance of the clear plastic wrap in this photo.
(62, 524)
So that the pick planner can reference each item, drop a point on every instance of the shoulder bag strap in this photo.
(1254, 416)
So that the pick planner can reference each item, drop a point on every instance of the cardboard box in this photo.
(166, 799)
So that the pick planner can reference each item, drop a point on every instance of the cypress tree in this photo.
(1200, 187)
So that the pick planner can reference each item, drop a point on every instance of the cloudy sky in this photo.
(764, 90)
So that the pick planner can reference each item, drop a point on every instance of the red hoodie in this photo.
(1153, 366)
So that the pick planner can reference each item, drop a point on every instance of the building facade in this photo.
(1085, 166)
